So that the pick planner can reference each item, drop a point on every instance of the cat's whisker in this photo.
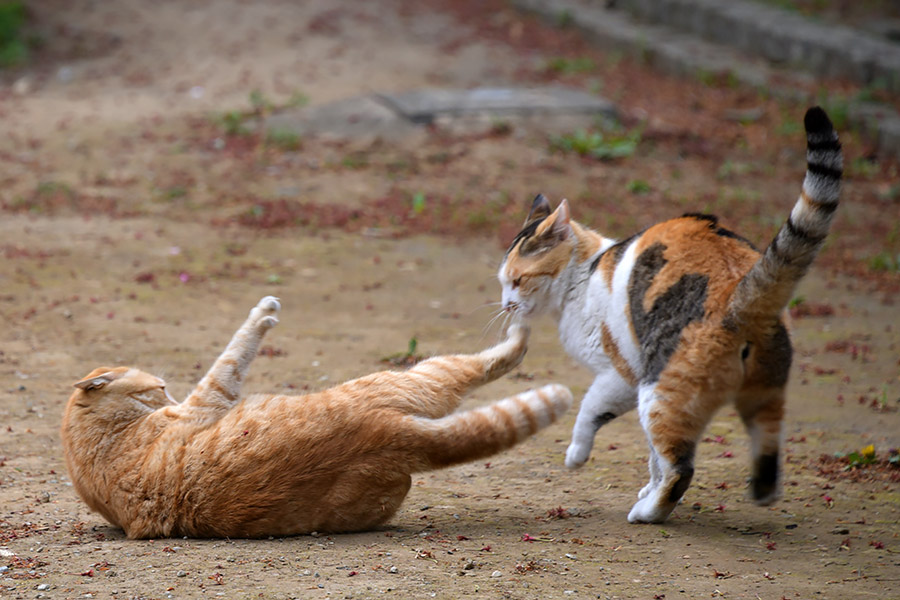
(483, 305)
(486, 329)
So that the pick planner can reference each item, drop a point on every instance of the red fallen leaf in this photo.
(770, 545)
(877, 545)
(528, 538)
(486, 549)
(720, 508)
(88, 573)
(829, 501)
(352, 573)
(218, 578)
(461, 538)
(487, 465)
(722, 486)
(726, 454)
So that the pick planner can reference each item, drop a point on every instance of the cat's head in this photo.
(120, 384)
(537, 255)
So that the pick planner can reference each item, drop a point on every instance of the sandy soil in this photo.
(135, 230)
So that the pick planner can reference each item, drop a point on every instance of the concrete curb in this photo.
(685, 54)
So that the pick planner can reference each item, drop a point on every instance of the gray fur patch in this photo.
(659, 329)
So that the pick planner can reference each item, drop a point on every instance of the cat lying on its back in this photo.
(216, 465)
(677, 320)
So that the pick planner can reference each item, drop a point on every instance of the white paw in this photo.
(647, 510)
(264, 312)
(269, 304)
(643, 512)
(577, 455)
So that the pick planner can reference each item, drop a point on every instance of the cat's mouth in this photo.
(518, 309)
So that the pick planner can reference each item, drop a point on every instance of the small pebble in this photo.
(393, 570)
(43, 586)
(181, 574)
(496, 574)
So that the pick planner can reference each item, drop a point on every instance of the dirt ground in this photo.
(137, 228)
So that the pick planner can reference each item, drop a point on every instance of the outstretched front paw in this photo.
(264, 312)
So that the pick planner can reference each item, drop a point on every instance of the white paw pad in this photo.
(268, 322)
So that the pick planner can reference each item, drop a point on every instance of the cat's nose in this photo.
(510, 306)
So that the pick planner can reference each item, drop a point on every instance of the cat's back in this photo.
(689, 257)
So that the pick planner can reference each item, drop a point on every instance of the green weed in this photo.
(884, 261)
(233, 123)
(13, 49)
(284, 139)
(597, 145)
(570, 66)
(638, 186)
(418, 203)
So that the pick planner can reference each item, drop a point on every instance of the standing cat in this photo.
(338, 460)
(677, 320)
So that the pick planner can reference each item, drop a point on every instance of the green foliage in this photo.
(259, 102)
(232, 123)
(863, 168)
(283, 139)
(796, 301)
(597, 145)
(864, 457)
(297, 99)
(638, 186)
(885, 261)
(569, 66)
(13, 49)
(564, 18)
(418, 203)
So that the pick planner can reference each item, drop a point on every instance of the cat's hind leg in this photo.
(609, 397)
(221, 386)
(673, 422)
(762, 412)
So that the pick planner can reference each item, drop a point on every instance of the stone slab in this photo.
(401, 116)
(429, 105)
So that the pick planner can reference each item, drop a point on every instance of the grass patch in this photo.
(597, 145)
(13, 48)
(569, 66)
(284, 139)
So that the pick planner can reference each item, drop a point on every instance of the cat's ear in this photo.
(557, 227)
(96, 382)
(562, 227)
(540, 208)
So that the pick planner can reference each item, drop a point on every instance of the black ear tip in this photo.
(539, 200)
(816, 120)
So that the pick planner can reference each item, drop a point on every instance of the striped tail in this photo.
(482, 432)
(767, 288)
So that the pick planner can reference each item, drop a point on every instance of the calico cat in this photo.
(339, 460)
(677, 321)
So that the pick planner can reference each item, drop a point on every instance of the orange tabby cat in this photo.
(216, 465)
(677, 321)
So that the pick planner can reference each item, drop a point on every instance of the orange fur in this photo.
(337, 460)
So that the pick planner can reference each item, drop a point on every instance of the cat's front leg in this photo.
(221, 386)
(609, 397)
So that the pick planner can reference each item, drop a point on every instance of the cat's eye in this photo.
(516, 282)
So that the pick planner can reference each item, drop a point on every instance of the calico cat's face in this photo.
(104, 385)
(536, 257)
